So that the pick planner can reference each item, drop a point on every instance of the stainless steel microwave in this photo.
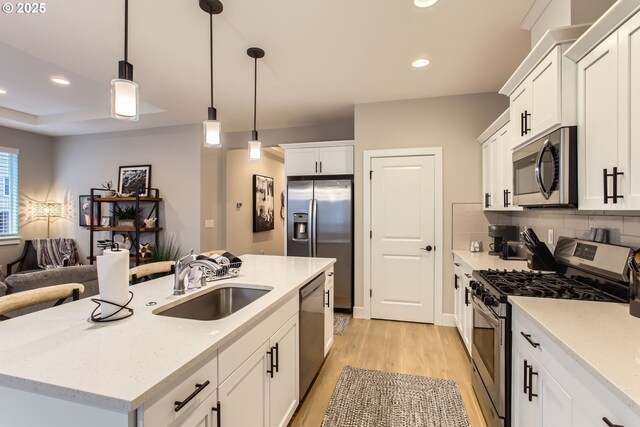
(545, 171)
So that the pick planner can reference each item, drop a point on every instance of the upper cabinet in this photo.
(608, 61)
(497, 171)
(542, 91)
(328, 158)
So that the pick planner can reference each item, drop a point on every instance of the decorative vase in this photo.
(126, 223)
(150, 222)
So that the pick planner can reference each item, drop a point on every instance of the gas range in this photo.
(544, 285)
(586, 271)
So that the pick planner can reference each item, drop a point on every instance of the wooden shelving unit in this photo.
(134, 232)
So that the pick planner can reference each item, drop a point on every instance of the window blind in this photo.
(9, 195)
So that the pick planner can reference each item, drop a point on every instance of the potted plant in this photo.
(108, 189)
(127, 216)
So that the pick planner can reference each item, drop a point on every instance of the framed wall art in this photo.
(263, 203)
(85, 211)
(134, 179)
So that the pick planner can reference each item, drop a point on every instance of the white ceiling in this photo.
(321, 59)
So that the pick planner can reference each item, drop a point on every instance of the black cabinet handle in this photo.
(505, 198)
(531, 374)
(316, 167)
(524, 377)
(456, 264)
(527, 115)
(528, 338)
(605, 185)
(609, 423)
(327, 303)
(180, 404)
(455, 282)
(487, 200)
(277, 350)
(320, 167)
(218, 412)
(615, 185)
(522, 125)
(270, 369)
(466, 296)
(468, 275)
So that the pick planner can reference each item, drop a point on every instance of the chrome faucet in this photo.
(182, 267)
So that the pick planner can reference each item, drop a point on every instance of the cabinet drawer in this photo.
(232, 356)
(548, 353)
(592, 402)
(161, 411)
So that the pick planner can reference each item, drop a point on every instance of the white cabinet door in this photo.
(629, 137)
(496, 173)
(486, 175)
(467, 313)
(301, 161)
(283, 390)
(520, 109)
(597, 123)
(554, 401)
(505, 139)
(205, 415)
(328, 312)
(523, 411)
(335, 160)
(545, 88)
(458, 298)
(244, 395)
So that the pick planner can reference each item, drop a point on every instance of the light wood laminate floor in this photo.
(408, 348)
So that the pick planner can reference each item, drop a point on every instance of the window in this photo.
(9, 194)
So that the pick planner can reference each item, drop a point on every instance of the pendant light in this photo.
(255, 146)
(124, 91)
(211, 128)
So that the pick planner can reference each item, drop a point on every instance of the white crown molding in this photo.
(316, 144)
(494, 127)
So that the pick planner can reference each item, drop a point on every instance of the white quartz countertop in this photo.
(602, 337)
(484, 261)
(119, 365)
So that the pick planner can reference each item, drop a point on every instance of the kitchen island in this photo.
(55, 361)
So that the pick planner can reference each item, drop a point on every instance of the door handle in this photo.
(546, 193)
(427, 248)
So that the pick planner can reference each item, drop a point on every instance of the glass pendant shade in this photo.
(211, 131)
(124, 99)
(255, 148)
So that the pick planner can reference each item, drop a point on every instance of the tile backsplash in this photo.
(470, 222)
(623, 229)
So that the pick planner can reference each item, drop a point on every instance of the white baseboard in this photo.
(358, 313)
(448, 320)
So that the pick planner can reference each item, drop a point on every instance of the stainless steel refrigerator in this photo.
(320, 224)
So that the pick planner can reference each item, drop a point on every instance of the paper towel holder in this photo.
(97, 318)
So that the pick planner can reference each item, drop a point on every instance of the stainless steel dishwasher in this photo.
(311, 331)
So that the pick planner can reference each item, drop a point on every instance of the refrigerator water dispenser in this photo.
(301, 226)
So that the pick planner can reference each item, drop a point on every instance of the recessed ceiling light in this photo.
(419, 63)
(2, 91)
(424, 3)
(60, 81)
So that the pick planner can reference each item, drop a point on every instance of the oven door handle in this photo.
(538, 170)
(486, 313)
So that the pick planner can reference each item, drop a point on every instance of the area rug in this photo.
(340, 323)
(367, 398)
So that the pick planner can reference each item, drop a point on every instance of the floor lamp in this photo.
(47, 210)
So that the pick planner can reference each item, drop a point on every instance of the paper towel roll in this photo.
(113, 281)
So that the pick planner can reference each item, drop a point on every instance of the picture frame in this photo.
(134, 179)
(85, 211)
(105, 221)
(263, 203)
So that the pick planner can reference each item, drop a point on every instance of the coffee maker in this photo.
(500, 235)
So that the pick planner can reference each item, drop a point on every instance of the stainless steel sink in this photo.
(215, 304)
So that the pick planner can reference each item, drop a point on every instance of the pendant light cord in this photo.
(211, 53)
(255, 91)
(126, 30)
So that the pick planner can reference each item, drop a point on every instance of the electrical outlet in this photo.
(550, 237)
(209, 223)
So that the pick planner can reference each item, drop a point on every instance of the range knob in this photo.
(474, 285)
(490, 301)
(480, 290)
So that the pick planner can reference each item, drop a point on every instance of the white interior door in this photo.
(402, 239)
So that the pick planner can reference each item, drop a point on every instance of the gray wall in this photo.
(35, 170)
(452, 123)
(85, 161)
